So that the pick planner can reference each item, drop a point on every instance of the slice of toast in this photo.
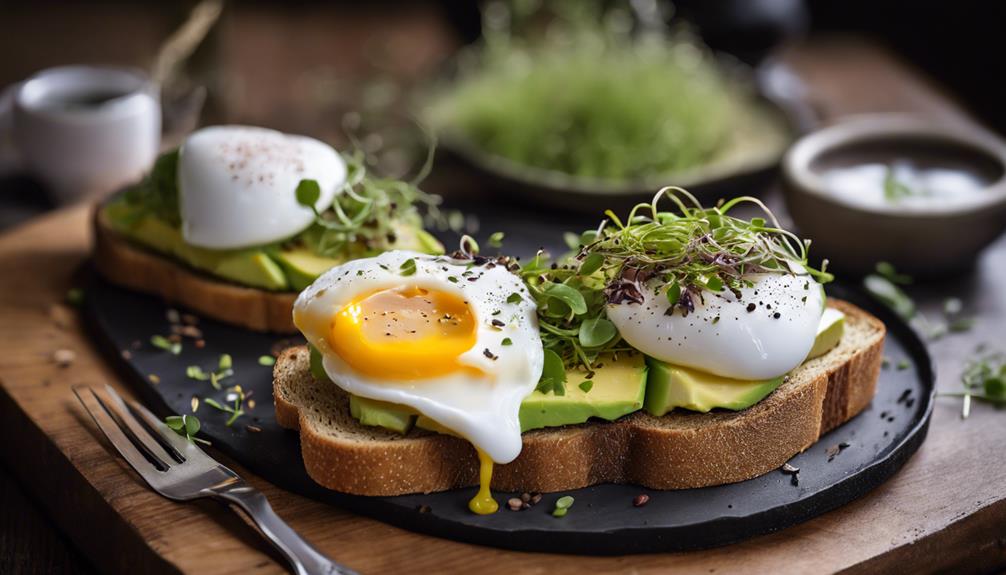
(124, 263)
(676, 451)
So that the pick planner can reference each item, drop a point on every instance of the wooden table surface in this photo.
(945, 510)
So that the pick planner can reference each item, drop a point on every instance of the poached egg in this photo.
(237, 185)
(764, 333)
(455, 342)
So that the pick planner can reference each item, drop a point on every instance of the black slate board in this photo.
(603, 520)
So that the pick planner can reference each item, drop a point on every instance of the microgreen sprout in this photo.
(685, 254)
(161, 342)
(983, 378)
(185, 425)
(370, 212)
(562, 506)
(235, 399)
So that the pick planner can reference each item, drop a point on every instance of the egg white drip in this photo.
(237, 185)
(741, 344)
(483, 410)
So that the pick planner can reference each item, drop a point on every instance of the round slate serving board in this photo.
(603, 519)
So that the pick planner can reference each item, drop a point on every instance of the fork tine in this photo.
(113, 432)
(139, 433)
(187, 449)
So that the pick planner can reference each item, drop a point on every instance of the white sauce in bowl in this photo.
(903, 183)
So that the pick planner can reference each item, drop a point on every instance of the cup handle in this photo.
(10, 159)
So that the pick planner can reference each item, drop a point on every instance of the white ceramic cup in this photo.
(84, 130)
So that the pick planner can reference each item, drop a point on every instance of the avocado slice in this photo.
(617, 389)
(250, 267)
(670, 386)
(829, 332)
(253, 269)
(303, 266)
(381, 414)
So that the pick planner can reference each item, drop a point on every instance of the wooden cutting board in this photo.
(945, 509)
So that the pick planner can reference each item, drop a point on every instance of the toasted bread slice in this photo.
(676, 451)
(124, 263)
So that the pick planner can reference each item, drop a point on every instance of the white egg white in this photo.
(722, 336)
(237, 185)
(483, 409)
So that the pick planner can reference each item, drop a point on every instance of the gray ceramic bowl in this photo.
(928, 239)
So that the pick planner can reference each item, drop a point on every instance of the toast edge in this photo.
(123, 264)
(626, 451)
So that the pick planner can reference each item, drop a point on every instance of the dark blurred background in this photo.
(267, 60)
(300, 66)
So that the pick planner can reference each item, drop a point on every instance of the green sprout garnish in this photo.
(370, 212)
(562, 506)
(237, 395)
(983, 378)
(161, 342)
(185, 425)
(685, 254)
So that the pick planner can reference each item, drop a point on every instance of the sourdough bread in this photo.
(676, 451)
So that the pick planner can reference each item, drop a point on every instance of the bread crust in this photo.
(676, 451)
(124, 263)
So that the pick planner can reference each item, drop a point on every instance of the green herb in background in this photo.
(591, 98)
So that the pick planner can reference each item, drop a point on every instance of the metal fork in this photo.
(177, 469)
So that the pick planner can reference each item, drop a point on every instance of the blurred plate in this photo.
(747, 164)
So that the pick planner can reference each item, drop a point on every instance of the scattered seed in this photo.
(525, 497)
(173, 316)
(514, 503)
(424, 509)
(189, 319)
(250, 403)
(64, 357)
(535, 498)
(790, 469)
(200, 343)
(832, 451)
(640, 500)
(127, 355)
(253, 428)
(904, 395)
(194, 404)
(154, 378)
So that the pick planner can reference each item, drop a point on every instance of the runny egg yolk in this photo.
(405, 332)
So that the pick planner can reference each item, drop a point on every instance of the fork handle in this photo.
(303, 557)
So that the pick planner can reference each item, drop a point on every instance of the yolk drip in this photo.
(483, 502)
(405, 333)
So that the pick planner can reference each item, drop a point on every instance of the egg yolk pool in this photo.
(404, 333)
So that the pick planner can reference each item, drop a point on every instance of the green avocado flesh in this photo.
(618, 388)
(671, 386)
(829, 332)
(270, 268)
